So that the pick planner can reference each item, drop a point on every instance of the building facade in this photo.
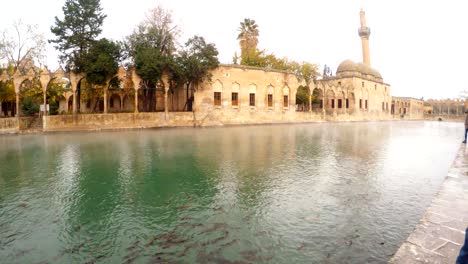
(407, 108)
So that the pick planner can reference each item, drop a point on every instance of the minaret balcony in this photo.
(364, 32)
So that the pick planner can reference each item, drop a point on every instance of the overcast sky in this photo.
(420, 46)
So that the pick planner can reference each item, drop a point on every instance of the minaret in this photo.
(364, 33)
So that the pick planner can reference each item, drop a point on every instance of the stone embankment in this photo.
(217, 117)
(441, 232)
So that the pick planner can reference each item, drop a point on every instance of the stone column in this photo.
(74, 80)
(74, 102)
(45, 79)
(136, 101)
(323, 104)
(105, 101)
(17, 106)
(166, 104)
(345, 103)
(45, 101)
(165, 80)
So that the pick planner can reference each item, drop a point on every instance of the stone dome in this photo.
(351, 66)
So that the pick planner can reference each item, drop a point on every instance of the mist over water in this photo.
(312, 193)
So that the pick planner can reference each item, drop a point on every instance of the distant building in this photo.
(407, 107)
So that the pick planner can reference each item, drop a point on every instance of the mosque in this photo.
(356, 92)
(235, 94)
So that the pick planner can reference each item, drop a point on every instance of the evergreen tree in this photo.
(77, 31)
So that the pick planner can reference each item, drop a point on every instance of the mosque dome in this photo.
(351, 66)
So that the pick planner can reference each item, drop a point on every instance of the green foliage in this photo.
(306, 72)
(54, 91)
(115, 83)
(102, 61)
(251, 56)
(29, 106)
(150, 64)
(269, 61)
(77, 31)
(53, 107)
(152, 46)
(7, 92)
(248, 40)
(196, 61)
(302, 95)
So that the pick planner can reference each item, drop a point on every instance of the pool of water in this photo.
(312, 193)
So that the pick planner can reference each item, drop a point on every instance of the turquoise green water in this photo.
(318, 193)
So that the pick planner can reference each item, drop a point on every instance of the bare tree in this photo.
(22, 46)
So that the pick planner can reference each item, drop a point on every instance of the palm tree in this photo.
(248, 37)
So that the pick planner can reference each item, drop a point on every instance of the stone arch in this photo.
(70, 104)
(30, 96)
(340, 100)
(317, 99)
(351, 103)
(8, 105)
(115, 83)
(58, 85)
(330, 100)
(270, 96)
(286, 97)
(235, 94)
(365, 99)
(89, 98)
(25, 86)
(384, 102)
(128, 101)
(62, 104)
(270, 89)
(235, 87)
(217, 86)
(78, 92)
(252, 94)
(252, 88)
(115, 103)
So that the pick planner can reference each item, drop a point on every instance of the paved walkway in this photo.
(440, 234)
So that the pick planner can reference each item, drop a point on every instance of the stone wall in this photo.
(116, 121)
(8, 125)
(215, 117)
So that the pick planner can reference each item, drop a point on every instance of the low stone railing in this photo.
(9, 124)
(214, 117)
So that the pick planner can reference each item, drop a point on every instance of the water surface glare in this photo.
(312, 193)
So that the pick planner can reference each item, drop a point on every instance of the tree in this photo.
(22, 47)
(248, 39)
(151, 48)
(307, 73)
(102, 61)
(77, 31)
(302, 95)
(7, 91)
(195, 64)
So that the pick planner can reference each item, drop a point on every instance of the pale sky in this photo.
(420, 46)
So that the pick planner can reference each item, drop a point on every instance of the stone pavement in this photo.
(441, 232)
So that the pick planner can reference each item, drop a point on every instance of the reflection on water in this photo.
(277, 194)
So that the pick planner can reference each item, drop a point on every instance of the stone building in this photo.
(357, 89)
(234, 95)
(447, 107)
(408, 108)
